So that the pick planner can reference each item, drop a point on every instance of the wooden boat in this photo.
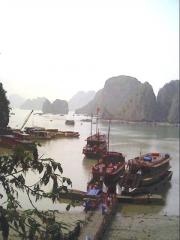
(52, 132)
(13, 141)
(96, 146)
(86, 120)
(69, 122)
(145, 172)
(109, 168)
(149, 164)
(150, 188)
(115, 167)
(38, 133)
(71, 134)
(68, 134)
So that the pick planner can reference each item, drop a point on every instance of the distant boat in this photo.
(70, 122)
(68, 134)
(96, 146)
(38, 133)
(86, 120)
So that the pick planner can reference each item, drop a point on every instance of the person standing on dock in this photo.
(103, 208)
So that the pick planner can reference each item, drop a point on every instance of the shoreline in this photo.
(140, 123)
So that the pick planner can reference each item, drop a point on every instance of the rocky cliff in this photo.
(80, 99)
(124, 98)
(168, 102)
(35, 104)
(57, 107)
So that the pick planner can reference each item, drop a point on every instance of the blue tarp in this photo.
(93, 192)
(147, 158)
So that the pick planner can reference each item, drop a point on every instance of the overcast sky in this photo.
(55, 48)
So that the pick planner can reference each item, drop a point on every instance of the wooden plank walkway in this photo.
(96, 223)
(91, 227)
(143, 198)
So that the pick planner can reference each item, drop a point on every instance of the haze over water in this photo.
(128, 139)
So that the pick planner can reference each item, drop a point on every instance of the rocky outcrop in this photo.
(35, 104)
(168, 102)
(80, 99)
(57, 107)
(124, 98)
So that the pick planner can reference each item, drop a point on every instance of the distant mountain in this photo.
(168, 102)
(15, 100)
(35, 104)
(80, 99)
(124, 98)
(57, 107)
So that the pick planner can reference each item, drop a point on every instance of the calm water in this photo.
(128, 139)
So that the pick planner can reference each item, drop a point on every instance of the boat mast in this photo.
(91, 124)
(97, 116)
(109, 133)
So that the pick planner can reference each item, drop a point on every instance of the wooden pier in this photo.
(97, 223)
(136, 199)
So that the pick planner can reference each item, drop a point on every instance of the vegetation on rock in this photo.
(4, 108)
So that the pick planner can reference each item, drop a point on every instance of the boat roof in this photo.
(21, 134)
(97, 138)
(150, 159)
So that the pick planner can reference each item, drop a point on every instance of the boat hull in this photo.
(151, 188)
(110, 179)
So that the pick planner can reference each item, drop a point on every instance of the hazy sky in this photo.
(54, 48)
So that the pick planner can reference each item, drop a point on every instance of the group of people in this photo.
(105, 200)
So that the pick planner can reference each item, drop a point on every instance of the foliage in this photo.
(4, 108)
(32, 223)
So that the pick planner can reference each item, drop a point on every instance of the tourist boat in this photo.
(115, 167)
(149, 164)
(69, 122)
(96, 146)
(38, 133)
(145, 172)
(109, 168)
